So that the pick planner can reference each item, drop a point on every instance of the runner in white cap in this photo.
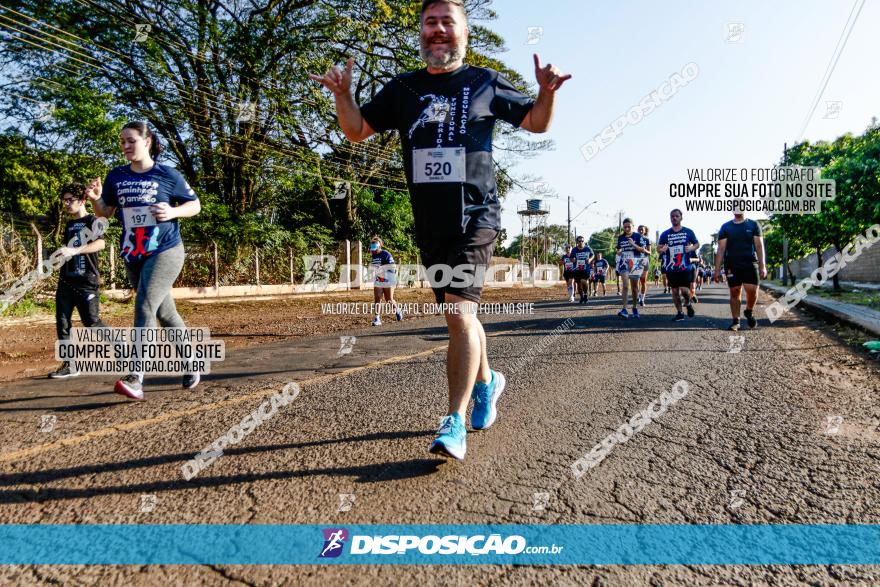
(384, 271)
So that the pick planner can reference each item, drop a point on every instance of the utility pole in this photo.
(569, 220)
(784, 237)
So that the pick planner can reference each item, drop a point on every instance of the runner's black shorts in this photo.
(678, 278)
(600, 279)
(474, 250)
(582, 274)
(740, 273)
(568, 274)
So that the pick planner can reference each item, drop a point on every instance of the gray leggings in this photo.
(152, 280)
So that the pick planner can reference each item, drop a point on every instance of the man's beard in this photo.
(447, 58)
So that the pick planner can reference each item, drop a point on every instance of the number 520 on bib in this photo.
(441, 165)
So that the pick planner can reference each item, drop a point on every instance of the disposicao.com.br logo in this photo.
(431, 544)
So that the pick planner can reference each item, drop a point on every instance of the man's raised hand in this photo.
(336, 80)
(549, 77)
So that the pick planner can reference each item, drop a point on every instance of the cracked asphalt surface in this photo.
(785, 431)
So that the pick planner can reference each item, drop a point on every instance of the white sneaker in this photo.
(398, 315)
(571, 299)
(377, 321)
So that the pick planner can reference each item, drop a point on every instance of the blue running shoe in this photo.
(451, 438)
(485, 397)
(635, 312)
(623, 314)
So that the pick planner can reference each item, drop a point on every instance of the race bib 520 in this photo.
(441, 165)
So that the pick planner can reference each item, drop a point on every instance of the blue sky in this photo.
(750, 97)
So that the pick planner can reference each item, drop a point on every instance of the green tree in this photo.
(226, 84)
(31, 178)
(854, 163)
(605, 242)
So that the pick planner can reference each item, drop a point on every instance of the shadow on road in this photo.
(50, 475)
(64, 396)
(363, 474)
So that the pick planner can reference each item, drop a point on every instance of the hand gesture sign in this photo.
(338, 82)
(94, 189)
(549, 78)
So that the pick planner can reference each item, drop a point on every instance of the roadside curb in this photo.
(859, 316)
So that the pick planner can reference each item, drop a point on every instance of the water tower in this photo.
(535, 248)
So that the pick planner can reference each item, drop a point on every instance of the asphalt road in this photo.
(785, 431)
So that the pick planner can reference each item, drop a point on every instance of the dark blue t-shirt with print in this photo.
(383, 257)
(628, 253)
(581, 258)
(446, 122)
(132, 194)
(677, 257)
(567, 263)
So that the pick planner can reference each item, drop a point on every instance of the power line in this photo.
(256, 162)
(269, 148)
(379, 153)
(832, 64)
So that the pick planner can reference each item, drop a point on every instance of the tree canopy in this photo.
(226, 85)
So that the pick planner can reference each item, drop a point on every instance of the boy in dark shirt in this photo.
(78, 280)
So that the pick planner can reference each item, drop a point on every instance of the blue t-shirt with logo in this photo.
(132, 194)
(567, 263)
(581, 258)
(601, 266)
(628, 253)
(677, 257)
(383, 268)
(381, 258)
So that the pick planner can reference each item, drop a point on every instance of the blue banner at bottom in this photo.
(786, 544)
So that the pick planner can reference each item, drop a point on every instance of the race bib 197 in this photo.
(138, 216)
(442, 165)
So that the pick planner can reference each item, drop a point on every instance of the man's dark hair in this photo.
(677, 210)
(625, 220)
(77, 190)
(427, 3)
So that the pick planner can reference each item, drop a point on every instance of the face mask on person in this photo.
(374, 247)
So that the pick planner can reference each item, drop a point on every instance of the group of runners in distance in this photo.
(681, 267)
(445, 116)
